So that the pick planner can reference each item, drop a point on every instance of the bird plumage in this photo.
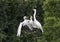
(36, 22)
(30, 23)
(24, 23)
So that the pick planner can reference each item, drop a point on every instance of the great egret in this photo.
(24, 23)
(30, 23)
(36, 23)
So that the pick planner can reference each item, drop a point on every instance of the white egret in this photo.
(36, 23)
(30, 23)
(24, 23)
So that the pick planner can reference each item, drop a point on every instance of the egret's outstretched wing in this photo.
(19, 29)
(41, 28)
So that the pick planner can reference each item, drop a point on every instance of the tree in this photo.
(9, 10)
(11, 14)
(51, 20)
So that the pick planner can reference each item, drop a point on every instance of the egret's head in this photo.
(34, 10)
(25, 17)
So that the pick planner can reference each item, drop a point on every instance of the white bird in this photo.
(30, 23)
(24, 23)
(36, 23)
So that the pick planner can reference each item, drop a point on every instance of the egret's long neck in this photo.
(34, 15)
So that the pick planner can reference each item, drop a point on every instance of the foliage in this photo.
(52, 20)
(12, 12)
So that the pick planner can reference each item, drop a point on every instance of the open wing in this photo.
(41, 27)
(19, 29)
